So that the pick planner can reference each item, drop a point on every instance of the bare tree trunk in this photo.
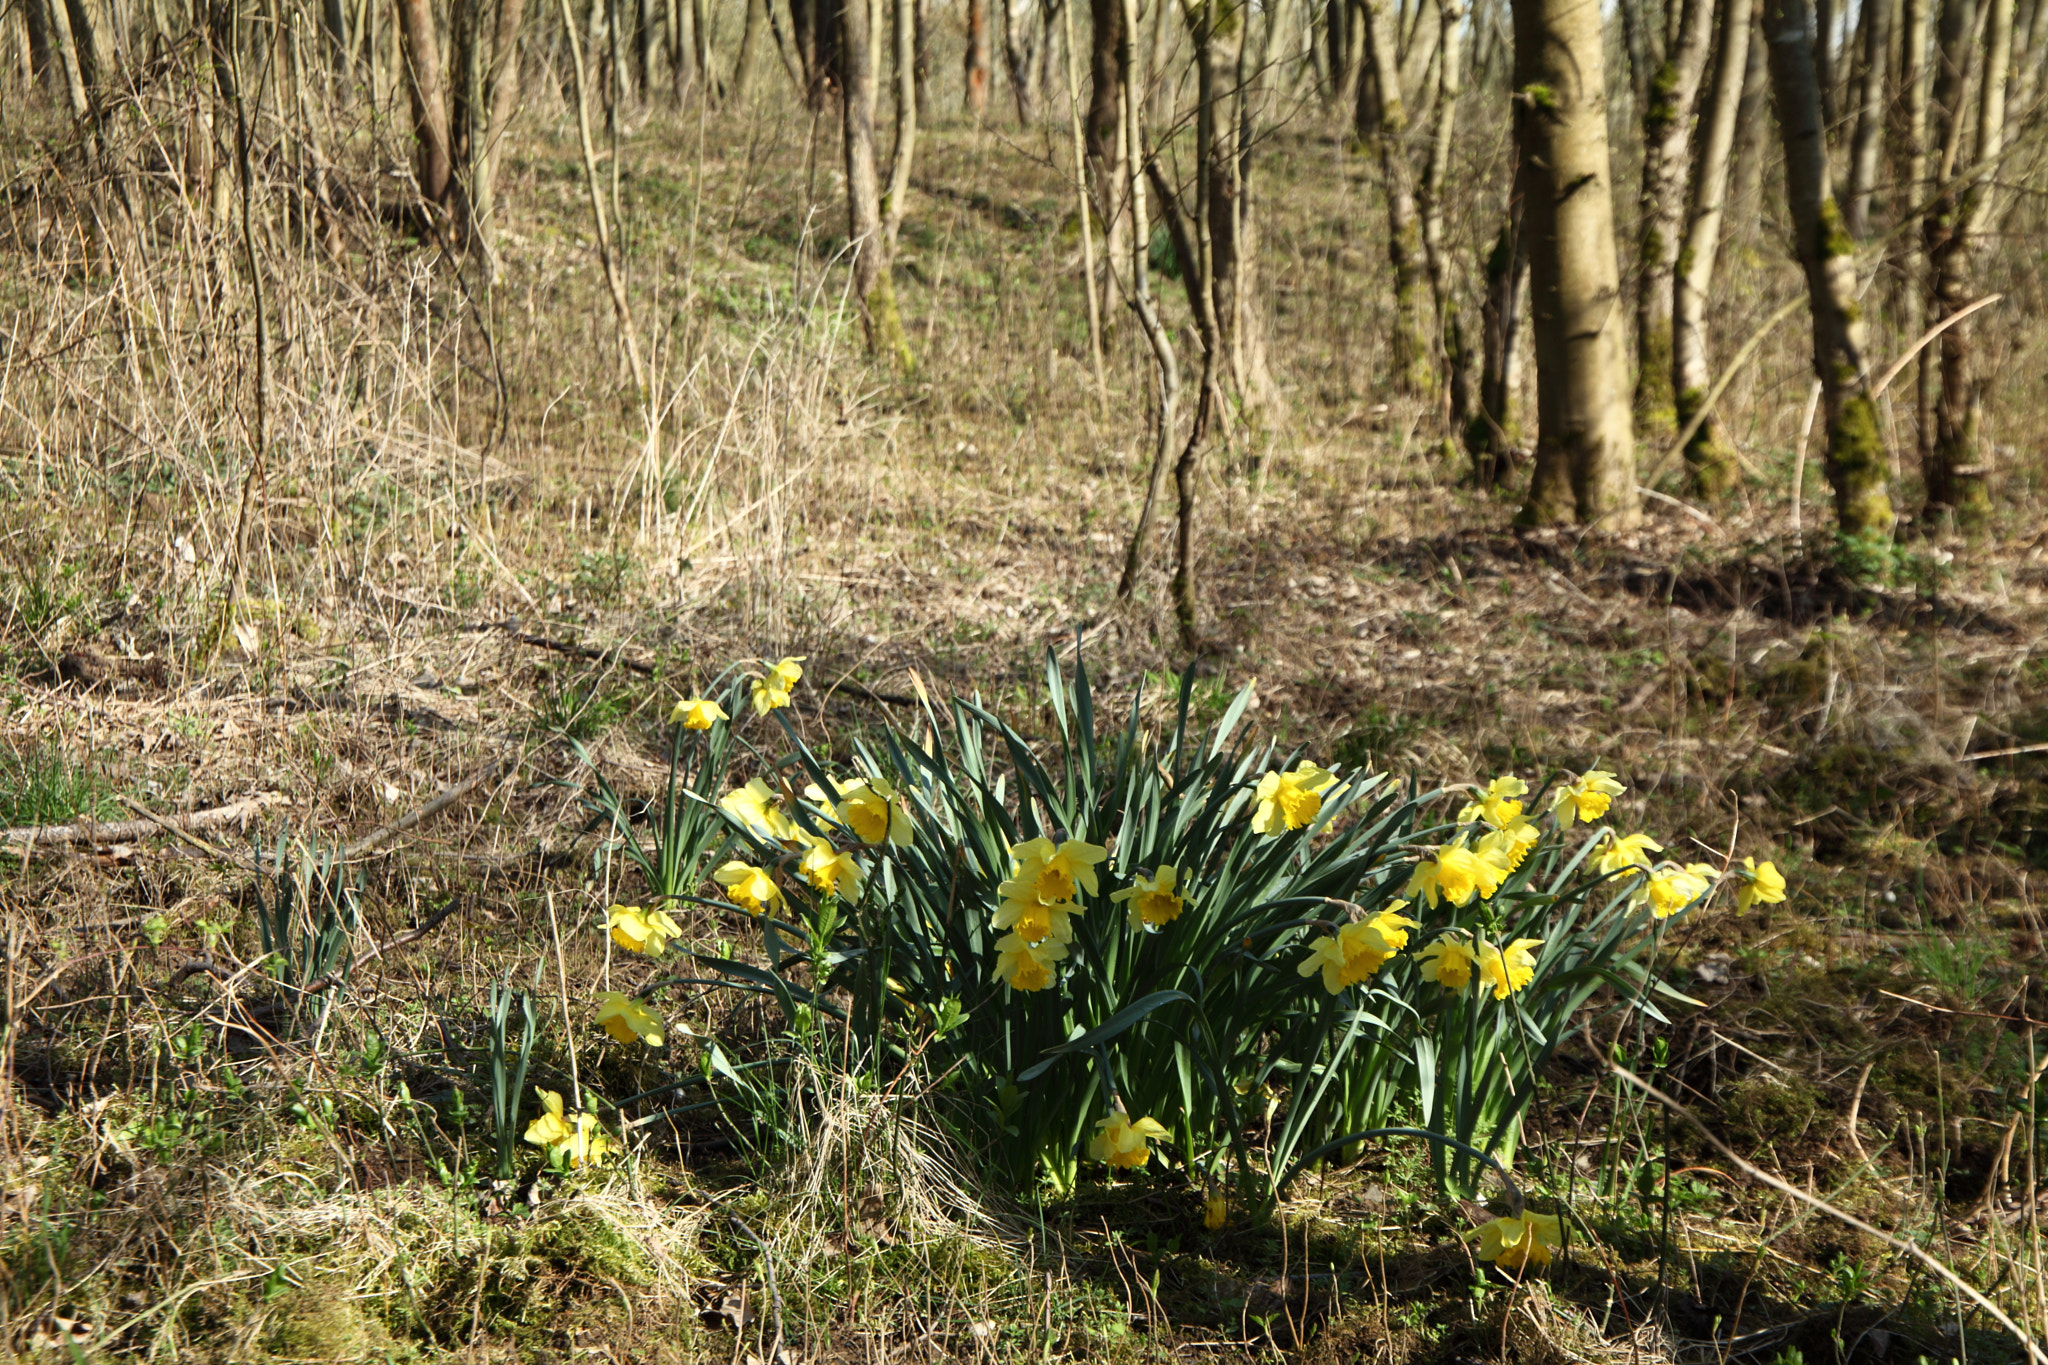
(1642, 60)
(1752, 121)
(1712, 463)
(433, 163)
(1430, 199)
(976, 67)
(1495, 431)
(1910, 158)
(1856, 463)
(1383, 117)
(1957, 481)
(1824, 16)
(1103, 131)
(1865, 146)
(501, 99)
(70, 60)
(872, 283)
(1018, 52)
(898, 201)
(750, 48)
(1667, 126)
(1585, 452)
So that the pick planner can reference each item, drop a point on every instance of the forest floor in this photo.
(426, 610)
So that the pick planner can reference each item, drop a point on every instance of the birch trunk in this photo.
(1667, 125)
(1383, 117)
(1865, 146)
(872, 284)
(1855, 459)
(1707, 454)
(1450, 327)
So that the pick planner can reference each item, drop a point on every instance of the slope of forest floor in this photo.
(435, 612)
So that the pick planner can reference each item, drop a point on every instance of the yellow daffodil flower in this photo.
(1448, 962)
(758, 808)
(772, 692)
(697, 713)
(869, 807)
(1625, 851)
(1499, 805)
(1508, 969)
(581, 1141)
(1671, 888)
(1358, 949)
(627, 1020)
(1514, 1243)
(1027, 966)
(1152, 902)
(1030, 918)
(828, 869)
(1289, 801)
(1586, 799)
(1124, 1144)
(749, 887)
(1215, 1213)
(1510, 843)
(1761, 883)
(1053, 874)
(1458, 874)
(641, 931)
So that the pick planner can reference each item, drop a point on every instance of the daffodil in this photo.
(1514, 1243)
(1125, 1144)
(749, 887)
(1457, 874)
(1621, 852)
(697, 713)
(1448, 962)
(1761, 883)
(1032, 919)
(1152, 902)
(869, 806)
(1508, 969)
(1499, 805)
(757, 806)
(829, 869)
(1026, 966)
(1288, 801)
(1510, 843)
(1586, 799)
(578, 1141)
(627, 1020)
(771, 692)
(1053, 874)
(1671, 888)
(641, 931)
(1357, 950)
(1215, 1213)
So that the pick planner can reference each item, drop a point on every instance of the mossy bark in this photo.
(1856, 465)
(872, 284)
(1585, 428)
(1667, 122)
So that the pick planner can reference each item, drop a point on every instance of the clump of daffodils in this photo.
(772, 689)
(1123, 1143)
(1036, 904)
(641, 931)
(1358, 949)
(569, 1141)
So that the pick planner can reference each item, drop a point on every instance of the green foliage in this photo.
(508, 1070)
(686, 827)
(310, 919)
(41, 785)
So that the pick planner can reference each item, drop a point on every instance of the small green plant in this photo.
(311, 918)
(41, 785)
(579, 706)
(602, 575)
(508, 1070)
(687, 829)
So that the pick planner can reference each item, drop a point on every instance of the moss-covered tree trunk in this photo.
(1383, 120)
(1959, 464)
(1667, 122)
(1856, 464)
(1707, 456)
(1585, 448)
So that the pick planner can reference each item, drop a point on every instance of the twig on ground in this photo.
(371, 954)
(1761, 1176)
(96, 832)
(447, 797)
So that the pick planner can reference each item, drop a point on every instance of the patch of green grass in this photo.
(41, 785)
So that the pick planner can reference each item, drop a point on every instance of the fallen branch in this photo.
(447, 797)
(571, 648)
(369, 955)
(118, 831)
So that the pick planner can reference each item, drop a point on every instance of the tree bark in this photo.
(1867, 142)
(1856, 464)
(1494, 433)
(433, 163)
(976, 64)
(1585, 453)
(1383, 119)
(1910, 159)
(1103, 131)
(1019, 50)
(1667, 121)
(898, 201)
(1752, 121)
(1707, 454)
(1430, 200)
(1957, 482)
(872, 284)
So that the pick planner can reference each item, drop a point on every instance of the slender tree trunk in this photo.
(35, 17)
(1495, 431)
(750, 50)
(1752, 121)
(1642, 60)
(501, 98)
(433, 163)
(1430, 200)
(976, 68)
(1856, 463)
(1667, 126)
(1825, 12)
(898, 202)
(1585, 453)
(1957, 480)
(1383, 118)
(1910, 158)
(872, 284)
(1103, 129)
(1018, 51)
(69, 58)
(1865, 146)
(1707, 455)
